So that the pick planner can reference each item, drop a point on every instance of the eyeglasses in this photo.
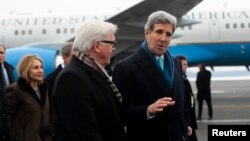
(113, 43)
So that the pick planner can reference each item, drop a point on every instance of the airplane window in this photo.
(16, 32)
(248, 25)
(58, 31)
(23, 32)
(242, 25)
(30, 32)
(235, 25)
(190, 27)
(227, 26)
(44, 31)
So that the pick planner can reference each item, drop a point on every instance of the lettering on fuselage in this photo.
(34, 21)
(218, 15)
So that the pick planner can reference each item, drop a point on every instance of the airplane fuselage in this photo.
(221, 39)
(21, 30)
(216, 27)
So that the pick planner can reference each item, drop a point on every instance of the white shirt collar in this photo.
(157, 57)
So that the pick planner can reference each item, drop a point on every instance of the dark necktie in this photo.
(160, 62)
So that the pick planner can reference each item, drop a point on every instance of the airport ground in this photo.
(231, 104)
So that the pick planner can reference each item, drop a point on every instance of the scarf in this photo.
(168, 70)
(87, 59)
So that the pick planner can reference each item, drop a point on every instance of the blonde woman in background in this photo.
(28, 101)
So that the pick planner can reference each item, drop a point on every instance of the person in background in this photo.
(66, 56)
(6, 69)
(28, 101)
(190, 100)
(86, 104)
(152, 87)
(6, 78)
(204, 91)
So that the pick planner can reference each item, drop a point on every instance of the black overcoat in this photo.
(141, 83)
(84, 106)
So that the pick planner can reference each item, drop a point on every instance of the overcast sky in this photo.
(72, 6)
(95, 6)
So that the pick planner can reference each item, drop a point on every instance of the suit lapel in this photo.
(149, 67)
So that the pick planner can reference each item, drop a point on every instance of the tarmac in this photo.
(230, 102)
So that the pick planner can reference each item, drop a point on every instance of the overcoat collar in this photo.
(24, 85)
(150, 70)
(95, 75)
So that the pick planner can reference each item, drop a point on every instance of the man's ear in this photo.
(96, 46)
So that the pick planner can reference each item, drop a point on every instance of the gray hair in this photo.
(91, 31)
(160, 17)
(66, 49)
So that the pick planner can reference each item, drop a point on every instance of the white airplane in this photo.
(45, 33)
(221, 38)
(211, 36)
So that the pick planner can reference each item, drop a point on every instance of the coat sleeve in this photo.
(12, 101)
(123, 79)
(6, 128)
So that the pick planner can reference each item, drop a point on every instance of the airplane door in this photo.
(214, 30)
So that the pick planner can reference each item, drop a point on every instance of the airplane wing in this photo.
(131, 22)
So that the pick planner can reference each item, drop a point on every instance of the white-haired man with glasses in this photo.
(86, 103)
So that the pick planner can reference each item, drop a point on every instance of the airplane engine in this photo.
(49, 53)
